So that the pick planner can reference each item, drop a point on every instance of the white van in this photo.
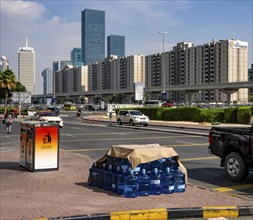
(152, 103)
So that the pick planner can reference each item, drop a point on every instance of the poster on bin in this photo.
(46, 148)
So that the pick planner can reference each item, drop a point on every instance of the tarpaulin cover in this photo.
(141, 153)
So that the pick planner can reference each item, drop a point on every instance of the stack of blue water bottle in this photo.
(162, 176)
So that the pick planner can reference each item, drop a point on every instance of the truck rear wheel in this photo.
(235, 167)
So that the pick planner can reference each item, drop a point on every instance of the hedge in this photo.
(244, 115)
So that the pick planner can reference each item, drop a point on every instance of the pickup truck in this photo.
(234, 145)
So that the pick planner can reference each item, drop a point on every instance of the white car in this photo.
(132, 117)
(47, 116)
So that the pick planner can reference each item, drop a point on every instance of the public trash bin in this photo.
(39, 146)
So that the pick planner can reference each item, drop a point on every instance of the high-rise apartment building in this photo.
(216, 62)
(47, 76)
(72, 79)
(76, 57)
(117, 73)
(116, 45)
(93, 36)
(26, 67)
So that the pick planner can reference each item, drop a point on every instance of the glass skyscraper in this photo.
(93, 36)
(76, 57)
(116, 45)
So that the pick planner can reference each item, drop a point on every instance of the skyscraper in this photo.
(93, 36)
(76, 57)
(116, 45)
(26, 67)
(47, 81)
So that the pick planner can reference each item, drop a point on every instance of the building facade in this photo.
(47, 75)
(251, 79)
(71, 80)
(117, 74)
(92, 36)
(26, 67)
(212, 63)
(116, 45)
(76, 57)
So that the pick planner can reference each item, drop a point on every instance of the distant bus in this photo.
(152, 103)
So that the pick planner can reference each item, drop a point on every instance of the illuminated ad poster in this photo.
(46, 148)
(138, 91)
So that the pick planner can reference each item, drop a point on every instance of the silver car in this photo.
(132, 117)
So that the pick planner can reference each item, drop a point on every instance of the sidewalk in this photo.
(28, 195)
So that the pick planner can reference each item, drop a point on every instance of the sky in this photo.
(53, 27)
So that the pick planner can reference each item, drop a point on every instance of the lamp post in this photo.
(164, 81)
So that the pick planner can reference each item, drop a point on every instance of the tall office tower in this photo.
(26, 67)
(93, 36)
(76, 57)
(47, 76)
(116, 45)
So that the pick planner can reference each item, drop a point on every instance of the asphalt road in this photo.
(93, 140)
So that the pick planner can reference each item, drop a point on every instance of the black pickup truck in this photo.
(234, 145)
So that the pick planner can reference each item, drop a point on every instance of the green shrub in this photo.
(243, 115)
(230, 115)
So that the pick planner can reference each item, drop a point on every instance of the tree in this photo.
(7, 84)
(19, 87)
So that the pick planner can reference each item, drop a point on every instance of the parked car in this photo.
(234, 145)
(47, 116)
(132, 117)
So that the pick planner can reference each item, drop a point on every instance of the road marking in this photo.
(234, 188)
(199, 158)
(85, 150)
(186, 145)
(134, 132)
(137, 138)
(184, 142)
(217, 211)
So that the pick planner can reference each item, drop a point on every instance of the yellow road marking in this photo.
(198, 158)
(126, 138)
(233, 188)
(220, 211)
(151, 214)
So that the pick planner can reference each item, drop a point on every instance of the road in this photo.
(203, 168)
(93, 140)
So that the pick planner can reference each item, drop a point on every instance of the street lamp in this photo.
(164, 82)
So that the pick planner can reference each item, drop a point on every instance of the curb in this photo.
(164, 214)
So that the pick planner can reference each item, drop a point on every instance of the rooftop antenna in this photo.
(26, 42)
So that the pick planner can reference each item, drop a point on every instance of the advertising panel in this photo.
(46, 147)
(238, 44)
(138, 91)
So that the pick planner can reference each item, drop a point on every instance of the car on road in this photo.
(234, 145)
(47, 116)
(132, 117)
(54, 109)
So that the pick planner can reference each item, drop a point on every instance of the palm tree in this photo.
(7, 84)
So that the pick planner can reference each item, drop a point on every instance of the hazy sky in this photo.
(53, 27)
